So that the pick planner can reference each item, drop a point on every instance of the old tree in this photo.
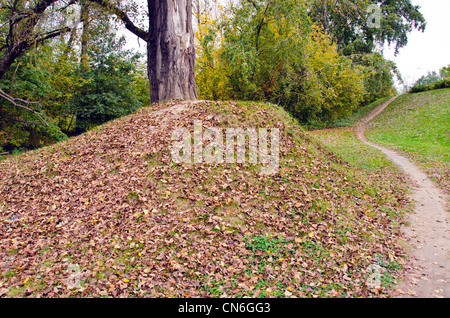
(169, 38)
(170, 47)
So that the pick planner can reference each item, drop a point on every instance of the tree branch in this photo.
(18, 44)
(18, 102)
(122, 15)
(52, 34)
(258, 31)
(253, 3)
(37, 10)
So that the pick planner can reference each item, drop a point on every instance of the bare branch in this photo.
(18, 102)
(68, 5)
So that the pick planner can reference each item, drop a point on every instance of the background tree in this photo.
(85, 18)
(24, 26)
(433, 80)
(272, 51)
(69, 95)
(379, 75)
(108, 91)
(445, 71)
(346, 22)
(211, 82)
(431, 77)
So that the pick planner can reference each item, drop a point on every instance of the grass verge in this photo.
(418, 126)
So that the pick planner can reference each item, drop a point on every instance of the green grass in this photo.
(350, 120)
(358, 114)
(418, 126)
(346, 145)
(380, 175)
(365, 163)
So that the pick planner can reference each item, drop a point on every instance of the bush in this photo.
(276, 54)
(110, 86)
(444, 83)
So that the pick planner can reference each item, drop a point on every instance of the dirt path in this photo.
(428, 233)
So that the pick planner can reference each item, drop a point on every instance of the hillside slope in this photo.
(108, 213)
(418, 126)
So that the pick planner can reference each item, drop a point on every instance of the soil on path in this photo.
(428, 232)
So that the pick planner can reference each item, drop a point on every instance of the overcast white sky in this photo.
(427, 51)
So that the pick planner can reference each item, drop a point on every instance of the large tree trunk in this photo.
(171, 51)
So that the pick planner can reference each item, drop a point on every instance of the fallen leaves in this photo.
(139, 226)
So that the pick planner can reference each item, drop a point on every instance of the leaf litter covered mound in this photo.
(108, 213)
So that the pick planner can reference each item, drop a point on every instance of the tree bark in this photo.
(9, 58)
(171, 51)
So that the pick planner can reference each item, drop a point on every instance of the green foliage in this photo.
(41, 78)
(141, 85)
(378, 82)
(112, 84)
(445, 71)
(109, 89)
(264, 243)
(349, 121)
(270, 51)
(210, 67)
(444, 83)
(430, 78)
(347, 22)
(398, 19)
(432, 81)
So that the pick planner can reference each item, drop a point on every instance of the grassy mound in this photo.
(109, 214)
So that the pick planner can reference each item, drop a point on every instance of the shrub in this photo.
(444, 83)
